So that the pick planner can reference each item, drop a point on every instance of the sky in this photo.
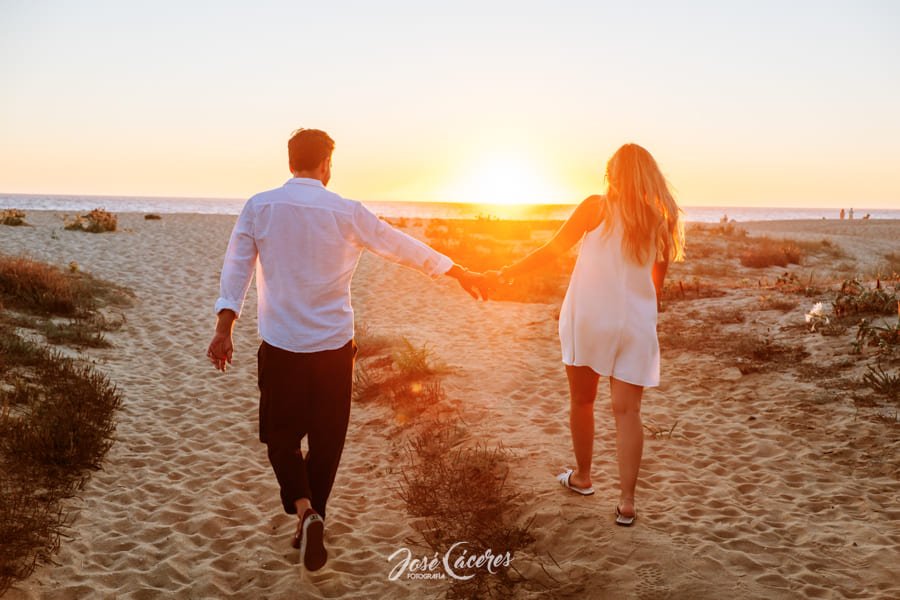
(742, 103)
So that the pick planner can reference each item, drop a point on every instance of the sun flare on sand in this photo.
(505, 185)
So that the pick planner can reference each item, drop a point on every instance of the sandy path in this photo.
(760, 492)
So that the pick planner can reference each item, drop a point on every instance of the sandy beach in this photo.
(778, 483)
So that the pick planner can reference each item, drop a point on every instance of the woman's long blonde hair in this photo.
(639, 196)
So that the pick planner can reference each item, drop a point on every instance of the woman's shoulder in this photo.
(593, 210)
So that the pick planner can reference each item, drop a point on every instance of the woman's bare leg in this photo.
(626, 406)
(583, 392)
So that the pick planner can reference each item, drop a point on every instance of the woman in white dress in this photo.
(607, 324)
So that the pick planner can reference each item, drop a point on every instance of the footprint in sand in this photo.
(651, 585)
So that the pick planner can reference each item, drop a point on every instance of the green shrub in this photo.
(886, 338)
(856, 297)
(883, 382)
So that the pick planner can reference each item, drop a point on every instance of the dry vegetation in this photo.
(454, 491)
(13, 217)
(66, 306)
(768, 253)
(56, 413)
(862, 317)
(755, 354)
(462, 494)
(38, 287)
(96, 221)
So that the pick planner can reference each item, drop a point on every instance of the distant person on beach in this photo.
(607, 324)
(851, 214)
(842, 214)
(304, 243)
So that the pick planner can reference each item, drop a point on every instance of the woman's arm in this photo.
(659, 277)
(585, 218)
(658, 273)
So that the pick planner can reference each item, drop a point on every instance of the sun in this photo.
(505, 180)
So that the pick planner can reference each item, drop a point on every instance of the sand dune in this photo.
(764, 490)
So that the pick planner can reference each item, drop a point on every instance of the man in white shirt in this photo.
(304, 243)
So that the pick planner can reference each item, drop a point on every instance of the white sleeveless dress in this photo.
(608, 318)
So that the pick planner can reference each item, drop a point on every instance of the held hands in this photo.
(478, 285)
(475, 284)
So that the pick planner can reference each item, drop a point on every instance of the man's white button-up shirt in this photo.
(305, 242)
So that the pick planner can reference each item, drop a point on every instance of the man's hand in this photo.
(474, 283)
(221, 347)
(220, 350)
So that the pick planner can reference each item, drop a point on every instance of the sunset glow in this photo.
(506, 180)
(520, 104)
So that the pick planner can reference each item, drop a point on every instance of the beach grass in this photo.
(453, 491)
(42, 288)
(56, 424)
(56, 412)
(464, 494)
(67, 306)
(886, 383)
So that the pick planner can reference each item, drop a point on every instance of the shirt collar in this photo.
(304, 181)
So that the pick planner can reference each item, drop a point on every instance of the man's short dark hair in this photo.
(307, 148)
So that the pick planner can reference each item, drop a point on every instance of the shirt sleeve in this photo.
(240, 261)
(380, 238)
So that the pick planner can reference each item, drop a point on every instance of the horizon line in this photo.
(462, 202)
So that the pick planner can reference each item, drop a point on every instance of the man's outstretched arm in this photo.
(380, 238)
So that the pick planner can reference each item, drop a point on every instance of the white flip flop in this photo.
(563, 479)
(622, 519)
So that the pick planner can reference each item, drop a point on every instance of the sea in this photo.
(413, 210)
